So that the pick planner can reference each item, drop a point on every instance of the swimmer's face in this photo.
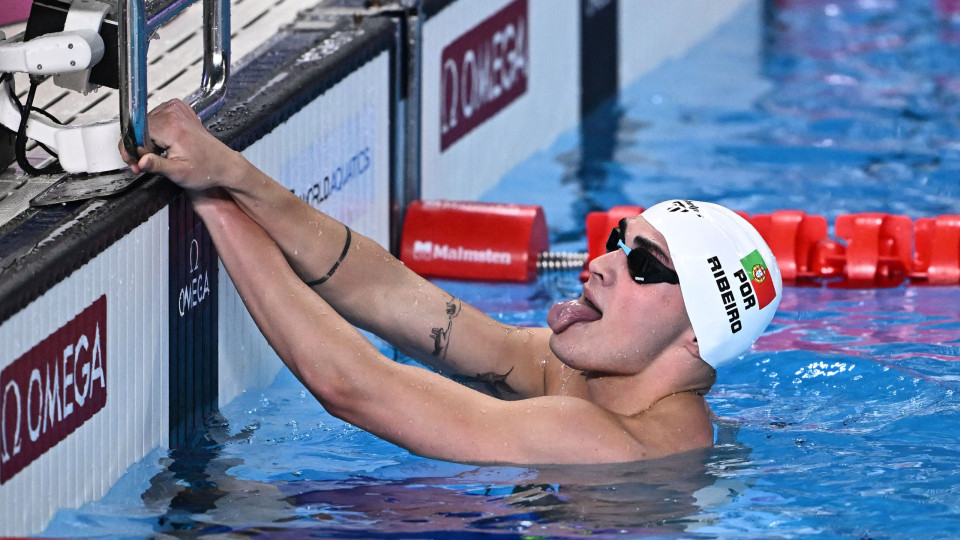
(619, 326)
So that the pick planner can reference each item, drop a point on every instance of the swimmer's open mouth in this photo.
(591, 305)
(565, 314)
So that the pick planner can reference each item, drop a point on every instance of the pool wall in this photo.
(120, 332)
(68, 433)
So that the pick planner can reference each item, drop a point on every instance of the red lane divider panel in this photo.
(879, 248)
(472, 240)
(795, 238)
(829, 259)
(937, 250)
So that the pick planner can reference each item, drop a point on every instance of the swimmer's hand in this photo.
(192, 157)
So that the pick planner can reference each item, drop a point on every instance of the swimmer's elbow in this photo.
(338, 395)
(324, 380)
(346, 390)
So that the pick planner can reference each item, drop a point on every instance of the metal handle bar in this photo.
(134, 29)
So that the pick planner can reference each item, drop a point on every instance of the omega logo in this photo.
(197, 288)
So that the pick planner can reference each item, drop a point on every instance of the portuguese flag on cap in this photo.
(760, 278)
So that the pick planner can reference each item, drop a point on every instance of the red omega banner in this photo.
(53, 389)
(471, 240)
(483, 71)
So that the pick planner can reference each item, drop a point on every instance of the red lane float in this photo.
(798, 241)
(937, 250)
(472, 240)
(878, 248)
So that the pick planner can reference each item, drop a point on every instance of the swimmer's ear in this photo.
(692, 346)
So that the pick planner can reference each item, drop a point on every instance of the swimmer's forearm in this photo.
(370, 287)
(311, 338)
(373, 290)
(310, 240)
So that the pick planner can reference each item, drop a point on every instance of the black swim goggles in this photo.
(644, 267)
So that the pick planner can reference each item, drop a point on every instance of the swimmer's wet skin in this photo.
(619, 376)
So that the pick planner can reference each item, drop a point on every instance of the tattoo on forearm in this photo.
(441, 336)
(494, 384)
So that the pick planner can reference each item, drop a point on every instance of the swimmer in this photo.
(620, 375)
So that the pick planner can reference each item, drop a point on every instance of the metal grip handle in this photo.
(134, 30)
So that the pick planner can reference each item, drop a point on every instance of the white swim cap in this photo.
(728, 276)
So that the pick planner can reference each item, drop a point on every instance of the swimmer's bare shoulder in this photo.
(677, 423)
(565, 429)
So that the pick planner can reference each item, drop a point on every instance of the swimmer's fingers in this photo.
(177, 170)
(183, 150)
(169, 123)
(127, 158)
(134, 162)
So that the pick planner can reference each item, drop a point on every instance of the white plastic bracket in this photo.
(83, 148)
(83, 16)
(60, 52)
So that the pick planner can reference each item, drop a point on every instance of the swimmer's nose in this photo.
(608, 267)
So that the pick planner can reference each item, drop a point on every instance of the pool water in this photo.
(842, 421)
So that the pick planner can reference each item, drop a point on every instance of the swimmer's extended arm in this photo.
(416, 409)
(370, 288)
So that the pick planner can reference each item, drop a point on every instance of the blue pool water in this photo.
(842, 422)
